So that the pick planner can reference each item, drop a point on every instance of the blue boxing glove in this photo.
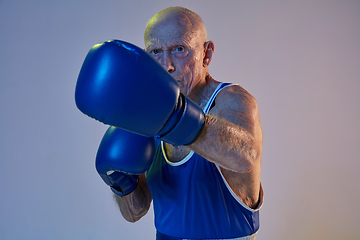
(122, 156)
(122, 85)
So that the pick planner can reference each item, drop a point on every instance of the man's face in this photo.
(179, 50)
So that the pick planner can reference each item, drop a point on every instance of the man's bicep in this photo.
(237, 106)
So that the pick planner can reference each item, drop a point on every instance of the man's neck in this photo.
(203, 91)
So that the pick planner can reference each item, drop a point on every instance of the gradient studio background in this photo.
(300, 59)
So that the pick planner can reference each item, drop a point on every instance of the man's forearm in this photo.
(226, 144)
(136, 204)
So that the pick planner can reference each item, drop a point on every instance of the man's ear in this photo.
(209, 48)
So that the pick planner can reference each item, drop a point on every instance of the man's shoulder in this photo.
(234, 90)
(235, 96)
(236, 105)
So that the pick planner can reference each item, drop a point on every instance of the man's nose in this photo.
(166, 62)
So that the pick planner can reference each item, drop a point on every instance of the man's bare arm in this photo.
(232, 137)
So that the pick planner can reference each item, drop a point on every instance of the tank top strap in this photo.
(220, 87)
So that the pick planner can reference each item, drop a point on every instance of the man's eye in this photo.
(179, 49)
(155, 51)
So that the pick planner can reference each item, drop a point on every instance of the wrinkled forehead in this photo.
(168, 32)
(172, 27)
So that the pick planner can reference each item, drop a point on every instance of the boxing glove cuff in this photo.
(120, 183)
(189, 126)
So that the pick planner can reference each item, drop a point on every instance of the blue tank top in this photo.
(192, 199)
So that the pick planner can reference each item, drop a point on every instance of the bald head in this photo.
(176, 38)
(182, 19)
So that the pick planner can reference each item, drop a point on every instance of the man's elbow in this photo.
(248, 161)
(244, 167)
(132, 218)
